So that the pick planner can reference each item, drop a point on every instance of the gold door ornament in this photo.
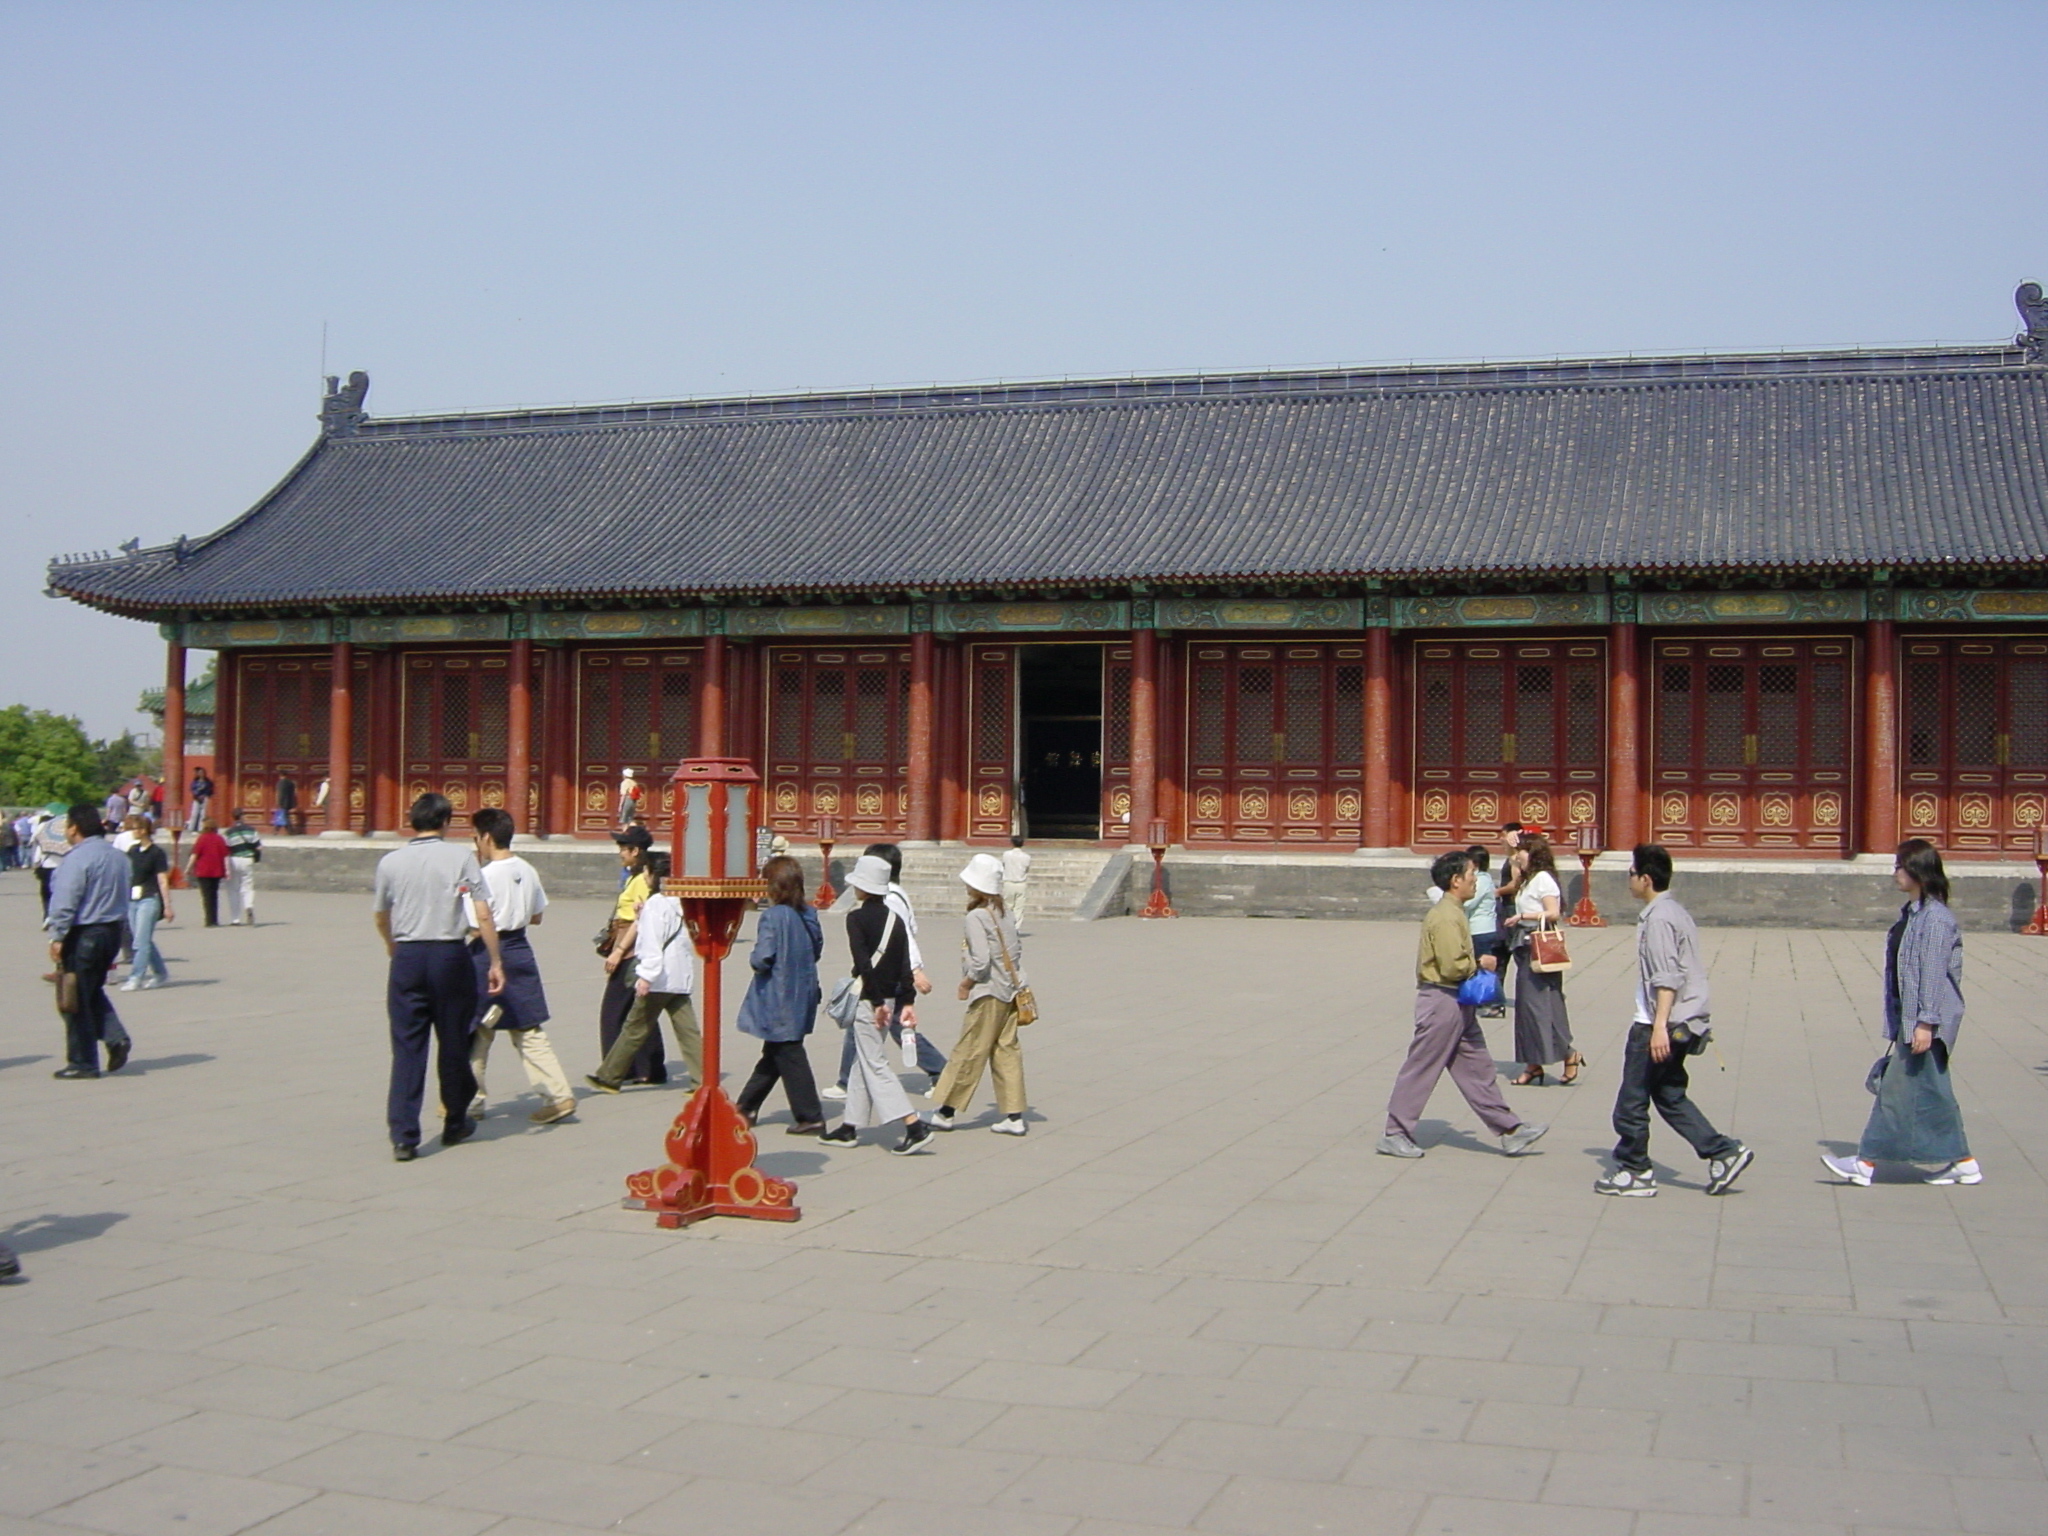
(1436, 806)
(1673, 808)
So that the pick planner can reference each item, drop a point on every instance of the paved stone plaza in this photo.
(1192, 1299)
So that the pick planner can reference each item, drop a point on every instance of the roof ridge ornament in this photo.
(2033, 308)
(341, 412)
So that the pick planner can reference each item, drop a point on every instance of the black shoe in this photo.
(10, 1266)
(452, 1134)
(63, 1073)
(844, 1135)
(117, 1055)
(917, 1137)
(1724, 1171)
(599, 1083)
(401, 1153)
(805, 1128)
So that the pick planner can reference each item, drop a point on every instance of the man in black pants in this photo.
(429, 895)
(88, 916)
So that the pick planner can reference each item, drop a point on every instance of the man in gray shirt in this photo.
(88, 915)
(429, 895)
(1670, 1025)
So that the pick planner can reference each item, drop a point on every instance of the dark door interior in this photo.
(1060, 701)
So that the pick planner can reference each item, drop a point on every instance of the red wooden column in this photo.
(519, 729)
(227, 770)
(1172, 739)
(952, 736)
(922, 823)
(1624, 736)
(711, 700)
(1880, 738)
(385, 779)
(1378, 826)
(340, 731)
(1144, 733)
(175, 800)
(558, 742)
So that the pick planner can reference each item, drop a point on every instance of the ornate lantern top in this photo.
(717, 808)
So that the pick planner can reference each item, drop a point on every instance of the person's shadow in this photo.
(33, 1234)
(20, 1061)
(163, 1064)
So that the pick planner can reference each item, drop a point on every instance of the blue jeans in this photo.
(142, 920)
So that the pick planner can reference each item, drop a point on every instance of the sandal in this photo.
(1572, 1063)
(1533, 1074)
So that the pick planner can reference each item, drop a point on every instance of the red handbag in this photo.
(1547, 952)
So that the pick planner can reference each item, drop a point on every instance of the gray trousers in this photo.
(1447, 1036)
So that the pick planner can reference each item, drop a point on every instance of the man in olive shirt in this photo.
(430, 894)
(1447, 1034)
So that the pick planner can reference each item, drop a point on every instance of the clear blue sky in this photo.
(506, 203)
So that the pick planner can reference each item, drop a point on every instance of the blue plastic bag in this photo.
(1481, 990)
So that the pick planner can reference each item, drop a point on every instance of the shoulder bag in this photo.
(1547, 952)
(1022, 998)
(843, 1006)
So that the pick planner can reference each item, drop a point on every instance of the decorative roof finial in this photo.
(342, 411)
(2033, 308)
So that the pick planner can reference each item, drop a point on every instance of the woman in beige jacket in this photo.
(991, 972)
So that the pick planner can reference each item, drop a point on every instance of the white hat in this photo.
(984, 873)
(870, 874)
(629, 773)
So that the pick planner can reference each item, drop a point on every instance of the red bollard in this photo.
(1586, 914)
(1158, 906)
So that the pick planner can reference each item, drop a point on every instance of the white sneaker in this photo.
(150, 983)
(939, 1120)
(834, 1092)
(1010, 1125)
(1850, 1170)
(1964, 1171)
(476, 1107)
(132, 984)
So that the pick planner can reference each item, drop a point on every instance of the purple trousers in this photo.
(1447, 1036)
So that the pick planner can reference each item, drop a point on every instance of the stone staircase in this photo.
(1060, 878)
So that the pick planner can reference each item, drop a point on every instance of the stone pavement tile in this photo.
(995, 1339)
(1785, 1362)
(737, 1399)
(454, 1326)
(1839, 1403)
(1619, 1431)
(1662, 1391)
(2026, 1410)
(451, 1366)
(34, 1478)
(571, 1429)
(1493, 1379)
(1453, 1516)
(1226, 1294)
(1070, 1386)
(907, 1330)
(892, 1517)
(1357, 1369)
(574, 1492)
(1679, 1323)
(176, 1332)
(1664, 1523)
(1168, 1319)
(768, 1507)
(1998, 1507)
(1854, 1498)
(1977, 1339)
(1249, 1325)
(1099, 1434)
(1406, 1415)
(708, 1449)
(351, 1514)
(1108, 1490)
(1592, 1351)
(1366, 1304)
(1914, 1368)
(581, 1301)
(1855, 1332)
(293, 1348)
(1261, 1450)
(1743, 1437)
(231, 1443)
(84, 1420)
(124, 1370)
(1645, 1482)
(1527, 1315)
(1257, 1506)
(965, 1275)
(1194, 1397)
(888, 1370)
(1160, 1355)
(590, 1383)
(265, 1391)
(940, 1474)
(318, 1310)
(389, 1466)
(924, 1419)
(413, 1412)
(1402, 1336)
(966, 1306)
(736, 1354)
(2001, 1451)
(1431, 1466)
(176, 1501)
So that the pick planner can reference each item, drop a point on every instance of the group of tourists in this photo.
(1915, 1119)
(454, 920)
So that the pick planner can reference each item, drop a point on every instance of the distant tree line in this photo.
(47, 757)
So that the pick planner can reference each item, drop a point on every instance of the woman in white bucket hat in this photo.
(991, 973)
(881, 959)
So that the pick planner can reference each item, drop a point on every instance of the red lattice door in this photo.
(1507, 732)
(1974, 759)
(456, 712)
(282, 709)
(838, 724)
(636, 709)
(1275, 743)
(1753, 742)
(991, 742)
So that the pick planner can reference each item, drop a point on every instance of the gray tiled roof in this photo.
(1845, 461)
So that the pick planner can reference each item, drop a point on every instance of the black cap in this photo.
(634, 837)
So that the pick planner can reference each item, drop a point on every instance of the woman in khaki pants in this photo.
(991, 972)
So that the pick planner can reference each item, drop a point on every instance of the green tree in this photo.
(46, 757)
(123, 758)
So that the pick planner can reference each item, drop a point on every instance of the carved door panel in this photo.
(1752, 743)
(282, 707)
(1275, 743)
(1974, 755)
(456, 712)
(838, 724)
(636, 709)
(991, 742)
(1507, 731)
(1116, 745)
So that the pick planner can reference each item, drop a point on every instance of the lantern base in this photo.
(710, 1171)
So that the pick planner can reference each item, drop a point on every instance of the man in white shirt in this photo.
(665, 974)
(518, 901)
(1016, 875)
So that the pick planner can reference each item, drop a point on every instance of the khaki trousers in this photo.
(641, 1018)
(988, 1038)
(543, 1069)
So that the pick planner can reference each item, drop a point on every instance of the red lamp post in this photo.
(1586, 914)
(828, 834)
(710, 1169)
(1158, 906)
(2040, 923)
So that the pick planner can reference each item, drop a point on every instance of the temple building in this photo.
(1788, 603)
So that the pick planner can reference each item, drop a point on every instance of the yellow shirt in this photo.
(1445, 958)
(635, 891)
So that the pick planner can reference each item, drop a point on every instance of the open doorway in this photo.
(1059, 695)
